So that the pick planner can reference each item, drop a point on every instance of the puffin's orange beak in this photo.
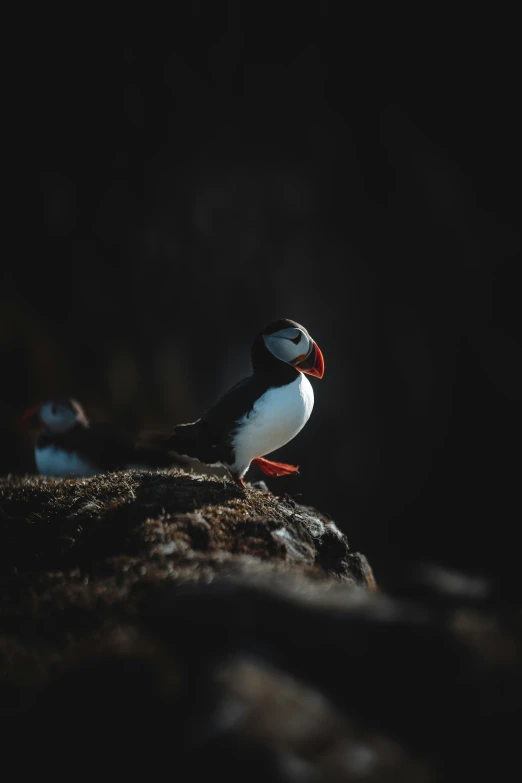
(31, 418)
(313, 364)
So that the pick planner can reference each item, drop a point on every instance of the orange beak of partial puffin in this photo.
(313, 364)
(31, 418)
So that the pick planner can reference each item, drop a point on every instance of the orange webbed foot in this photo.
(275, 468)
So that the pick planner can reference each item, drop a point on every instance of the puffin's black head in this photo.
(288, 342)
(58, 415)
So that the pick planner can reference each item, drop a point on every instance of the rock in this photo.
(171, 618)
(164, 520)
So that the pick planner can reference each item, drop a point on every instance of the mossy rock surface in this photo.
(168, 517)
(174, 618)
(82, 554)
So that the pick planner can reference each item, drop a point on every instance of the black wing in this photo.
(106, 446)
(209, 439)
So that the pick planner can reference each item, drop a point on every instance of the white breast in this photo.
(275, 419)
(52, 461)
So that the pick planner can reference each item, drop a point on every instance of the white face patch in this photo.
(58, 417)
(288, 344)
(53, 461)
(278, 415)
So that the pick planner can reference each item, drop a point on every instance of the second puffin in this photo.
(262, 412)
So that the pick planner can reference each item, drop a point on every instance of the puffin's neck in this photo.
(265, 364)
(80, 425)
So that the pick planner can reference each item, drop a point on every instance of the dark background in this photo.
(176, 191)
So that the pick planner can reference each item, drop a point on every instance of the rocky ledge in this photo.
(134, 526)
(171, 622)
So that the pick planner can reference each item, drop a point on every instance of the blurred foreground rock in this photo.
(169, 622)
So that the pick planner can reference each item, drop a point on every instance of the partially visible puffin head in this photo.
(57, 415)
(289, 342)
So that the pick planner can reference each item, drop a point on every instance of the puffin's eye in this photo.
(53, 410)
(296, 340)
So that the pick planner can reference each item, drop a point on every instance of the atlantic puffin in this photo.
(263, 411)
(68, 444)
